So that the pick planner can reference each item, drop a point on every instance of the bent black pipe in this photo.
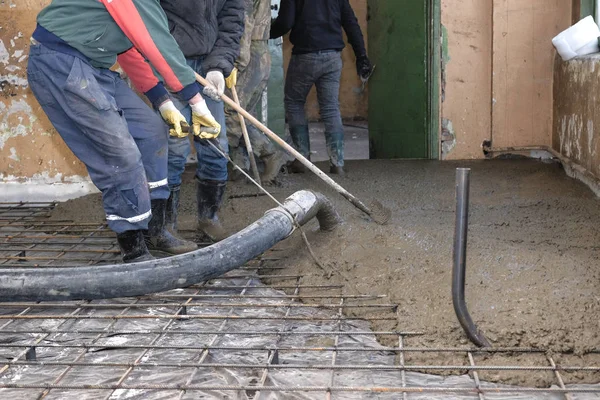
(460, 259)
(137, 279)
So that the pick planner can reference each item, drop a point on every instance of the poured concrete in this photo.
(533, 267)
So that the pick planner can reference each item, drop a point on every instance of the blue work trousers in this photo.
(211, 165)
(122, 142)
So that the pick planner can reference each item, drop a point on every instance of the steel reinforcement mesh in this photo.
(235, 337)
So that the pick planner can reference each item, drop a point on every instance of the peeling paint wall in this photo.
(576, 132)
(467, 80)
(498, 72)
(354, 104)
(30, 149)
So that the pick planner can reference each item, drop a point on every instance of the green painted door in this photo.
(276, 115)
(398, 89)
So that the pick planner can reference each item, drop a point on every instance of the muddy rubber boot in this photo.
(335, 170)
(157, 236)
(296, 167)
(273, 164)
(301, 140)
(210, 196)
(335, 149)
(133, 247)
(172, 208)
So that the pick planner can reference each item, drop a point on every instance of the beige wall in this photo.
(498, 82)
(29, 147)
(353, 103)
(467, 77)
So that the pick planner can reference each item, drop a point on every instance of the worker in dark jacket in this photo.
(316, 27)
(208, 32)
(122, 142)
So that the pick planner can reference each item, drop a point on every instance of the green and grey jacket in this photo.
(133, 32)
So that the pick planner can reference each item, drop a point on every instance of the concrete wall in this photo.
(31, 152)
(498, 72)
(353, 103)
(576, 132)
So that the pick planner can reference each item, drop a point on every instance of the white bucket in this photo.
(578, 40)
(590, 48)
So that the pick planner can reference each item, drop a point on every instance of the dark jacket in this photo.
(207, 28)
(317, 25)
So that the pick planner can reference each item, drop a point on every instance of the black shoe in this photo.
(157, 236)
(133, 247)
(210, 196)
(296, 167)
(333, 169)
(172, 210)
(273, 164)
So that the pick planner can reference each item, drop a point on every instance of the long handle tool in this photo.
(246, 138)
(377, 212)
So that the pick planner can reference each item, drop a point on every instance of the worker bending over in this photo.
(118, 137)
(316, 27)
(208, 33)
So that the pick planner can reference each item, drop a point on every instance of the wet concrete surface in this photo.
(533, 265)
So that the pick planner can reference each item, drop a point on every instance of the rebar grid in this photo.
(231, 336)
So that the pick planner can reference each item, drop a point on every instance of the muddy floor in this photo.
(533, 277)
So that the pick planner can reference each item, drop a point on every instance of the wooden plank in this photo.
(523, 69)
(467, 80)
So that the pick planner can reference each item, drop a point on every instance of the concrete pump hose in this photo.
(137, 279)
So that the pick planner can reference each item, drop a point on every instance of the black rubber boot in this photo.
(159, 238)
(172, 208)
(337, 170)
(273, 164)
(335, 150)
(210, 196)
(133, 247)
(301, 139)
(296, 167)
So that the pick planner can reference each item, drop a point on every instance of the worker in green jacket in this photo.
(122, 142)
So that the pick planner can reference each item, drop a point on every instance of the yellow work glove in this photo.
(173, 117)
(231, 80)
(204, 124)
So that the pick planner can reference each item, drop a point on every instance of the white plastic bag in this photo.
(578, 40)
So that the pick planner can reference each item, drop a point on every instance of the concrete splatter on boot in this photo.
(335, 150)
(133, 247)
(172, 209)
(273, 164)
(157, 236)
(301, 140)
(210, 196)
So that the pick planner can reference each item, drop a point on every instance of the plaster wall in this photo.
(31, 152)
(499, 72)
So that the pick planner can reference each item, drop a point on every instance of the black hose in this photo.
(460, 259)
(125, 280)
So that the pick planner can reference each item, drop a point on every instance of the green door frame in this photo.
(422, 121)
(434, 18)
